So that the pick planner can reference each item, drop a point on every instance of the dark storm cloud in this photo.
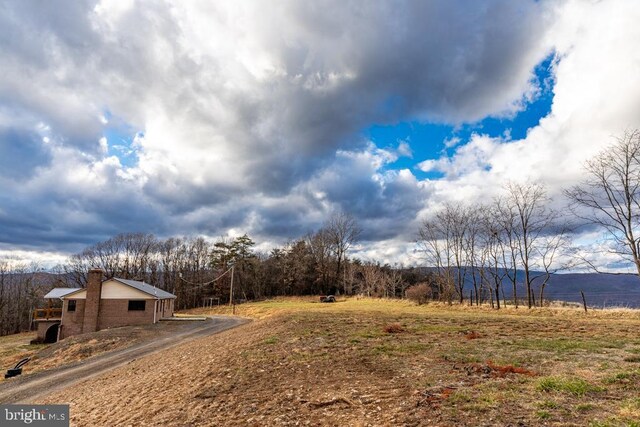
(242, 108)
(284, 222)
(21, 151)
(361, 63)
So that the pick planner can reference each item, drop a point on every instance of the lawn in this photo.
(383, 362)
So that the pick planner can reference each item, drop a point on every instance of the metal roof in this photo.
(60, 292)
(146, 288)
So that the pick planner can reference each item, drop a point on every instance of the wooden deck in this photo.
(47, 314)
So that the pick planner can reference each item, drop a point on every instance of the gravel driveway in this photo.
(30, 387)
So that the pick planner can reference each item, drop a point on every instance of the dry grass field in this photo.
(15, 347)
(378, 362)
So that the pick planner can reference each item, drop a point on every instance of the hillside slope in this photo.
(372, 362)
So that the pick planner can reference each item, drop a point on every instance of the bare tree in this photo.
(474, 255)
(432, 237)
(319, 244)
(445, 241)
(505, 216)
(550, 248)
(127, 255)
(394, 282)
(22, 286)
(495, 244)
(373, 280)
(611, 195)
(343, 231)
(533, 221)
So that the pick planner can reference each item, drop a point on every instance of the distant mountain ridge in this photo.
(600, 289)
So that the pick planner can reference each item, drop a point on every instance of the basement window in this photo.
(71, 305)
(136, 305)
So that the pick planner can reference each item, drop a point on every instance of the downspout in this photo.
(155, 309)
(155, 303)
(61, 317)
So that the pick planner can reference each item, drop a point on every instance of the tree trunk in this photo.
(542, 294)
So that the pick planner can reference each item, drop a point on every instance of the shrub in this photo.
(419, 293)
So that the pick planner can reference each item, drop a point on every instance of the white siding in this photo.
(77, 295)
(112, 289)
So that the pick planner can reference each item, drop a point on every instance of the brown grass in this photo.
(15, 347)
(335, 364)
(282, 305)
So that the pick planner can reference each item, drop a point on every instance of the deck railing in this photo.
(47, 313)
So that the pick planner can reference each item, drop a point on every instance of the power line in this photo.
(199, 285)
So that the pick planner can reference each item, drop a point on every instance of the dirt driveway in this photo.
(28, 388)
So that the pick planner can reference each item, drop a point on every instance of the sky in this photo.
(222, 118)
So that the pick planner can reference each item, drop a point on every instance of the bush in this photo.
(419, 293)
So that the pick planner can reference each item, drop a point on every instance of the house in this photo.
(101, 305)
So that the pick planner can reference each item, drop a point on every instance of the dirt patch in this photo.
(492, 370)
(471, 335)
(394, 328)
(434, 396)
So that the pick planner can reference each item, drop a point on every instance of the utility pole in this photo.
(231, 292)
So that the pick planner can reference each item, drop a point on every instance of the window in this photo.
(136, 305)
(71, 305)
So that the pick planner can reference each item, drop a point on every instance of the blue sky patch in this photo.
(433, 140)
(120, 139)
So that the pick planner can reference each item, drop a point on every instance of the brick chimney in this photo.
(92, 303)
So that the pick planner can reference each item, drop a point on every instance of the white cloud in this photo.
(250, 113)
(104, 145)
(596, 96)
(404, 149)
(452, 142)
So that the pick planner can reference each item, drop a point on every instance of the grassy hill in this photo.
(379, 362)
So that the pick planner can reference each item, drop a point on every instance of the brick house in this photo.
(104, 304)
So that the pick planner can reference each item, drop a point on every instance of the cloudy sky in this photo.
(220, 118)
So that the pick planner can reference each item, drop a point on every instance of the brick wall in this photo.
(166, 307)
(92, 304)
(114, 313)
(72, 321)
(43, 326)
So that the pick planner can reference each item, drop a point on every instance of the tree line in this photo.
(484, 246)
(193, 269)
(316, 263)
(472, 250)
(20, 292)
